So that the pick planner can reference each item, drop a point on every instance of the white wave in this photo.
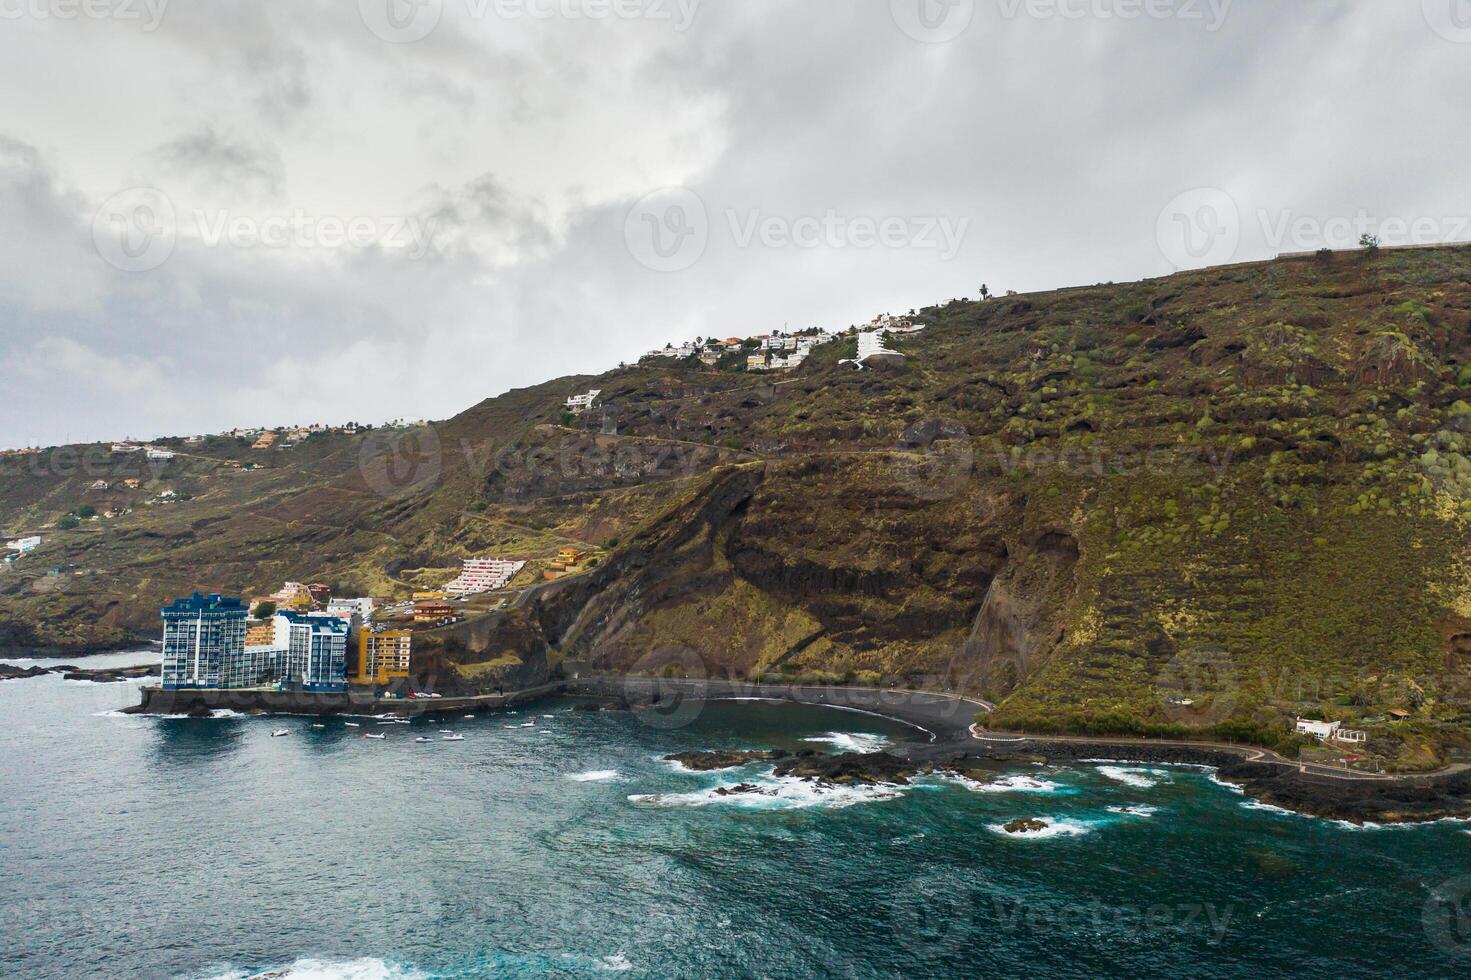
(1138, 778)
(1259, 805)
(217, 713)
(1134, 810)
(1056, 827)
(617, 963)
(863, 742)
(774, 794)
(1009, 784)
(1225, 785)
(365, 968)
(594, 776)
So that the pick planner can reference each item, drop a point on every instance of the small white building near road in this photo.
(1326, 731)
(24, 545)
(160, 454)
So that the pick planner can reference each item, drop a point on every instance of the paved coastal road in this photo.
(946, 717)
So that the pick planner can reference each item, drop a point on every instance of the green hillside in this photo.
(1204, 503)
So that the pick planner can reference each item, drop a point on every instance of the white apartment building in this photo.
(348, 608)
(483, 575)
(24, 545)
(581, 403)
(871, 350)
(154, 452)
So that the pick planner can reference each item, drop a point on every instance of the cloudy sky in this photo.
(222, 213)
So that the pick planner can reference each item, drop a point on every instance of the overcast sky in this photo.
(223, 213)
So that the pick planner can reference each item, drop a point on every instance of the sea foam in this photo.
(775, 794)
(594, 776)
(365, 968)
(863, 742)
(1138, 778)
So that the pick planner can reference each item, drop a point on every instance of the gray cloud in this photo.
(1055, 141)
(221, 163)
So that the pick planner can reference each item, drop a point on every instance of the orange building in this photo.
(383, 657)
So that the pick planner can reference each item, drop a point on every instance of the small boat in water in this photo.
(421, 738)
(470, 716)
(279, 732)
(352, 724)
(319, 726)
(454, 738)
(370, 735)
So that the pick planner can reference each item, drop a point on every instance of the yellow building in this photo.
(570, 556)
(261, 634)
(383, 657)
(430, 596)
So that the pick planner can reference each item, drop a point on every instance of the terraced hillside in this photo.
(1204, 503)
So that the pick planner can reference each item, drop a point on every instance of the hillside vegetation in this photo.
(1207, 503)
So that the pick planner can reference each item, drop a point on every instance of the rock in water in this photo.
(723, 759)
(1025, 826)
(850, 768)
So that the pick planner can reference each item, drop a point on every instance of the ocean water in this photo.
(557, 843)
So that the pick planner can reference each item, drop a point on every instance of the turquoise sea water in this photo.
(133, 847)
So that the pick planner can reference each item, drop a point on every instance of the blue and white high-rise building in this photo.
(316, 652)
(203, 639)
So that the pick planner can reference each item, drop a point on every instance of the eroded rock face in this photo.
(1021, 618)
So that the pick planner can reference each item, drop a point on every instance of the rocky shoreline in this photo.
(1359, 802)
(70, 672)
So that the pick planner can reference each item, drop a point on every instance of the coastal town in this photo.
(304, 639)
